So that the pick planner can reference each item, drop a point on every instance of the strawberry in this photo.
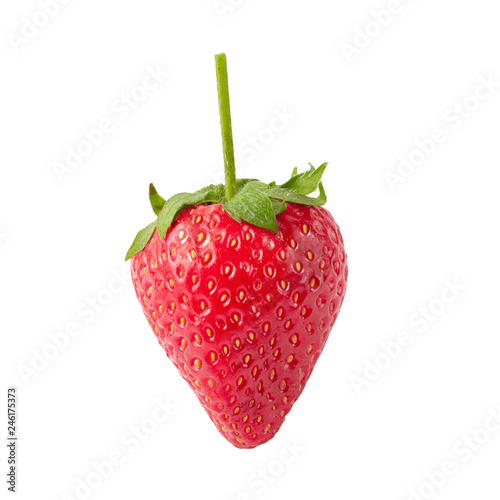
(241, 285)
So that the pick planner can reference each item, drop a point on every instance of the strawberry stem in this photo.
(225, 124)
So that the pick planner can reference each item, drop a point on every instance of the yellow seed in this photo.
(305, 228)
(225, 349)
(312, 282)
(251, 336)
(283, 284)
(207, 257)
(171, 281)
(223, 297)
(164, 256)
(267, 427)
(210, 285)
(298, 266)
(209, 332)
(197, 338)
(280, 312)
(246, 359)
(202, 305)
(237, 343)
(303, 311)
(273, 374)
(197, 383)
(198, 219)
(282, 385)
(310, 255)
(293, 244)
(193, 254)
(194, 278)
(270, 271)
(296, 297)
(276, 353)
(287, 324)
(259, 419)
(172, 252)
(254, 371)
(183, 321)
(282, 254)
(227, 269)
(185, 299)
(294, 339)
(252, 402)
(236, 410)
(206, 399)
(289, 359)
(181, 234)
(239, 381)
(211, 383)
(201, 236)
(266, 327)
(236, 317)
(156, 330)
(212, 356)
(183, 344)
(197, 363)
(247, 237)
(247, 429)
(172, 305)
(241, 295)
(233, 243)
(285, 399)
(154, 314)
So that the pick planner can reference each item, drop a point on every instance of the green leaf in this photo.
(279, 193)
(253, 206)
(156, 200)
(141, 240)
(306, 182)
(174, 205)
(278, 207)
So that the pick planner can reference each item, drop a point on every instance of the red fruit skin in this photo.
(244, 313)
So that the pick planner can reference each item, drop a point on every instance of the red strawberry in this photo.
(242, 291)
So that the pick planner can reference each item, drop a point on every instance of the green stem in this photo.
(225, 124)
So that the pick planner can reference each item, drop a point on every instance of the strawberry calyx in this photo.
(254, 202)
(249, 200)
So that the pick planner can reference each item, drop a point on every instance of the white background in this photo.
(63, 240)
